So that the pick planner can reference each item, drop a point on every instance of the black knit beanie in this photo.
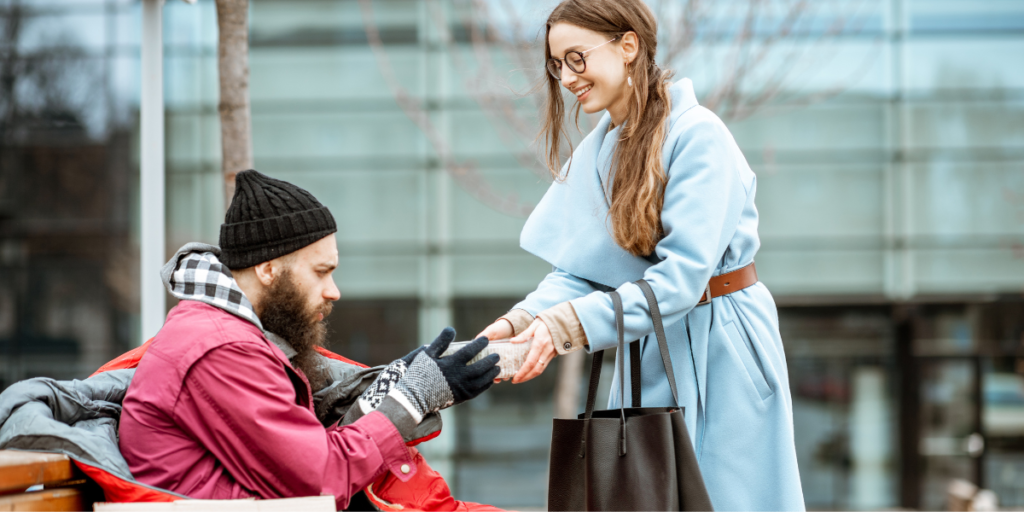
(269, 218)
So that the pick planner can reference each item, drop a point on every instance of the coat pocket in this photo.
(745, 351)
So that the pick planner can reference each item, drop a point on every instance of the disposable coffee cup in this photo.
(513, 355)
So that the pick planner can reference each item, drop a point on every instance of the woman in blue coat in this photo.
(658, 190)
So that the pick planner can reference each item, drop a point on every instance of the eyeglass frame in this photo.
(563, 62)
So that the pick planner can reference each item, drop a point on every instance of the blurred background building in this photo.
(887, 137)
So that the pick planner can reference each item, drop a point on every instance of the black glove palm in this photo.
(465, 381)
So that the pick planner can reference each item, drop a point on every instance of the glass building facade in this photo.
(890, 166)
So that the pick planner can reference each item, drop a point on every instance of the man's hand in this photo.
(431, 382)
(465, 382)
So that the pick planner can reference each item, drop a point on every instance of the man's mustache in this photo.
(326, 309)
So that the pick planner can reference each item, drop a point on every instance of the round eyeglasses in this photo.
(575, 60)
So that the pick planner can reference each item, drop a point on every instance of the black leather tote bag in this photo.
(636, 458)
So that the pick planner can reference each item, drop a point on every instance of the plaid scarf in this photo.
(195, 273)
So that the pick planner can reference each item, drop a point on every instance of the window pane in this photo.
(374, 332)
(841, 376)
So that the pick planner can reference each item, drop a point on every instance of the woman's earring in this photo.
(629, 81)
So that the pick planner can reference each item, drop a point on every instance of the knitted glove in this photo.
(373, 395)
(408, 358)
(429, 384)
(465, 382)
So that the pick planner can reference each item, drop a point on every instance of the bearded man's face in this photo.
(289, 314)
(296, 305)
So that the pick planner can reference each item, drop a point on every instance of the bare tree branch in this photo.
(464, 173)
(765, 42)
(509, 123)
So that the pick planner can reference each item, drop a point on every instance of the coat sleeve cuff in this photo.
(520, 320)
(563, 324)
(403, 415)
(395, 454)
(355, 411)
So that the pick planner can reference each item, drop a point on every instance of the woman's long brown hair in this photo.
(638, 189)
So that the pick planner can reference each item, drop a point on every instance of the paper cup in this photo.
(513, 355)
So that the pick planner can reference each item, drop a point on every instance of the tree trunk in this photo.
(567, 388)
(233, 69)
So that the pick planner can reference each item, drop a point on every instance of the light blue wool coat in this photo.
(727, 357)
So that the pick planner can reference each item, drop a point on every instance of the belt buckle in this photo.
(707, 294)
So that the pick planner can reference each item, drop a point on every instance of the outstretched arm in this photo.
(705, 197)
(557, 287)
(239, 404)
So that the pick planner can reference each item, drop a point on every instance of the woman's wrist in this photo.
(519, 319)
(566, 331)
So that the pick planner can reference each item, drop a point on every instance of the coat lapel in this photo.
(570, 228)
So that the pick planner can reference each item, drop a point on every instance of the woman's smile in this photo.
(582, 93)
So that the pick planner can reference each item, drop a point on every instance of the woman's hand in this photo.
(501, 329)
(541, 352)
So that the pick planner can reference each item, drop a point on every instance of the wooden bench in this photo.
(63, 486)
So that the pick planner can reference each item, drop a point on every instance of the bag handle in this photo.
(595, 373)
(659, 331)
(595, 368)
(595, 377)
(634, 372)
(620, 346)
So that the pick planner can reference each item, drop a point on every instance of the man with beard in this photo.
(222, 404)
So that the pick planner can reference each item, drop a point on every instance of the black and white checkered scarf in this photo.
(195, 273)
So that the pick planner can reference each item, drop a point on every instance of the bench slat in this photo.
(50, 499)
(21, 470)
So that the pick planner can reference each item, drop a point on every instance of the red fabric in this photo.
(426, 490)
(331, 355)
(123, 491)
(216, 411)
(127, 360)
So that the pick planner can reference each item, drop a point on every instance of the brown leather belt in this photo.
(727, 283)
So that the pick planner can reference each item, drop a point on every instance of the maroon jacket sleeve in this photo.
(240, 404)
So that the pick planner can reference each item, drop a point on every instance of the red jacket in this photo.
(225, 415)
(216, 411)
